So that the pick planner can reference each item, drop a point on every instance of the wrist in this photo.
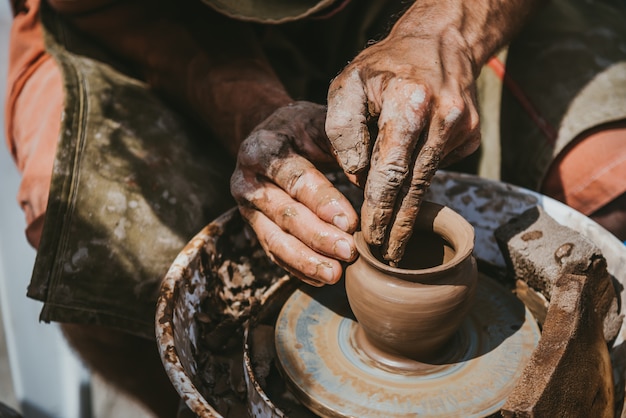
(480, 28)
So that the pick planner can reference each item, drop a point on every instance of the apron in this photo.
(134, 179)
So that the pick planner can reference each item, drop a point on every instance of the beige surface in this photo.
(107, 402)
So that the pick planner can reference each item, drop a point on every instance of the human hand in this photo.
(302, 221)
(420, 85)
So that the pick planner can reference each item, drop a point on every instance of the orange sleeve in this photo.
(33, 110)
(591, 172)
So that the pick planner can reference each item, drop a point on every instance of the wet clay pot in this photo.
(413, 310)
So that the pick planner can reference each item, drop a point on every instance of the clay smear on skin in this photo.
(349, 97)
(416, 99)
(346, 125)
(453, 116)
(403, 109)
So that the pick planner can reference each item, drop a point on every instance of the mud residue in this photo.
(532, 235)
(237, 280)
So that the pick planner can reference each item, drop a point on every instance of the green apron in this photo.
(134, 180)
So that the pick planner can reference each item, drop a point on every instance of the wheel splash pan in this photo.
(194, 275)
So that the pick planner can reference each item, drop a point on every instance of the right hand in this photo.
(422, 90)
(420, 84)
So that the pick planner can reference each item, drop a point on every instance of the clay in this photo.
(414, 311)
(534, 301)
(486, 204)
(569, 373)
(321, 359)
(538, 250)
(582, 317)
(240, 277)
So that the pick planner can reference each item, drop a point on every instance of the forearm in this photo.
(207, 63)
(484, 26)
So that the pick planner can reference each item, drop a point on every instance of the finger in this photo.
(296, 219)
(467, 148)
(290, 253)
(346, 122)
(401, 121)
(401, 229)
(299, 178)
(464, 137)
(425, 166)
(305, 184)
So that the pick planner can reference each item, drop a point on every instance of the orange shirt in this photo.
(33, 110)
(591, 172)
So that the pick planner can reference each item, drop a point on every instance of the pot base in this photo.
(452, 353)
(331, 369)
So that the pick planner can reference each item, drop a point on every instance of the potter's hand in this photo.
(422, 90)
(302, 221)
(420, 84)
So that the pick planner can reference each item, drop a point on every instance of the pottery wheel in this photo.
(315, 345)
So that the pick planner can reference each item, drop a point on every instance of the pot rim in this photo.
(438, 212)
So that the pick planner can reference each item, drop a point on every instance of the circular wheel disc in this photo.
(327, 370)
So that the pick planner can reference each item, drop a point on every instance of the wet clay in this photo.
(414, 311)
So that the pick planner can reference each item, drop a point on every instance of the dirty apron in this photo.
(134, 180)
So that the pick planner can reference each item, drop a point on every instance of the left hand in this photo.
(302, 221)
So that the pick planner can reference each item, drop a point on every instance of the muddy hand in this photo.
(421, 90)
(302, 221)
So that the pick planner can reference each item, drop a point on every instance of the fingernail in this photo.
(341, 222)
(343, 250)
(326, 272)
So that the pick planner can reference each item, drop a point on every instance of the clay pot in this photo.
(413, 310)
